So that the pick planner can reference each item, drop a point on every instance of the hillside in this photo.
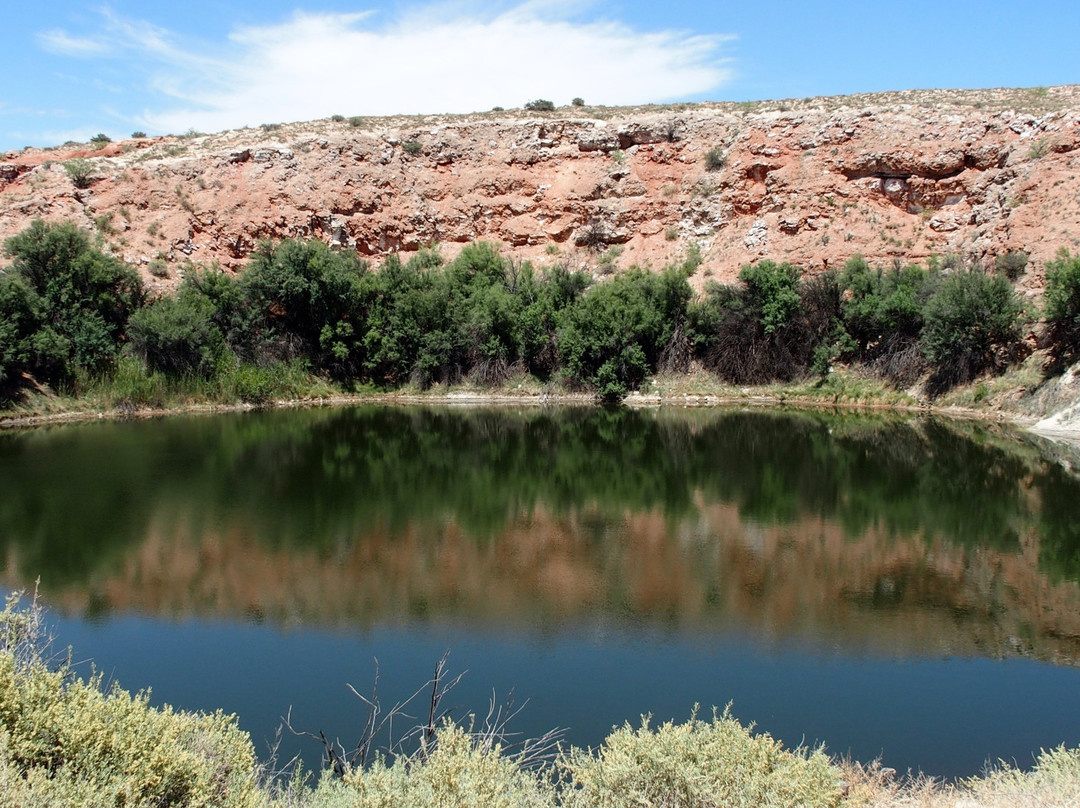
(894, 176)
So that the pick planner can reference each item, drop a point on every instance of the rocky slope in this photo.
(898, 176)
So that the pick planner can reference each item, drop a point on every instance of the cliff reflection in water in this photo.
(913, 536)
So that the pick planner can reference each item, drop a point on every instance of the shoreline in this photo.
(495, 398)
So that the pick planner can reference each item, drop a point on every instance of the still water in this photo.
(896, 587)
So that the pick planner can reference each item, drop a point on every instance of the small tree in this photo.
(578, 102)
(100, 140)
(540, 105)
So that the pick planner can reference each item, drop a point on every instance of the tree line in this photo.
(71, 313)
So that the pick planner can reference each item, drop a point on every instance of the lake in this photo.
(902, 587)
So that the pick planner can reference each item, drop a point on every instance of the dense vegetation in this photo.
(71, 315)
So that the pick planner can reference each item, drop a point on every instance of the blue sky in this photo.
(74, 68)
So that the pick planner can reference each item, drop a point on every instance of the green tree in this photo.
(70, 302)
(1063, 306)
(972, 325)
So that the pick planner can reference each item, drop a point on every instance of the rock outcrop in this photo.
(900, 176)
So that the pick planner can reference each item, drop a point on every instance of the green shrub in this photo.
(578, 102)
(715, 159)
(756, 332)
(1012, 264)
(177, 335)
(138, 133)
(70, 301)
(972, 324)
(540, 105)
(337, 118)
(1063, 306)
(620, 331)
(699, 763)
(413, 148)
(100, 140)
(80, 171)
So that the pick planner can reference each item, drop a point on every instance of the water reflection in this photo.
(799, 532)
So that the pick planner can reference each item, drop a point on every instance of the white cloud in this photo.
(63, 43)
(433, 58)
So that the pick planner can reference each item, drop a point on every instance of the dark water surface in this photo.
(898, 587)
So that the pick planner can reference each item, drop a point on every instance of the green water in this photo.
(844, 578)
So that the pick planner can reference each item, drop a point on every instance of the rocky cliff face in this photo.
(901, 176)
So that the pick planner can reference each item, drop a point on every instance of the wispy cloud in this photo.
(432, 58)
(64, 44)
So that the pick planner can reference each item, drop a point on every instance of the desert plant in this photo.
(80, 171)
(412, 147)
(67, 741)
(540, 105)
(715, 159)
(699, 763)
(578, 102)
(100, 140)
(1011, 264)
(138, 133)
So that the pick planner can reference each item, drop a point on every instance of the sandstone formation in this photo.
(896, 176)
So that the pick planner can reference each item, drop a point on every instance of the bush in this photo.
(699, 763)
(620, 331)
(578, 102)
(138, 133)
(757, 332)
(1063, 306)
(99, 140)
(306, 300)
(715, 159)
(70, 302)
(540, 105)
(177, 335)
(1012, 264)
(459, 772)
(64, 741)
(412, 147)
(80, 171)
(972, 324)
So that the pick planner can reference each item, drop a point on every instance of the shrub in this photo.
(971, 319)
(1012, 264)
(756, 332)
(138, 133)
(619, 331)
(337, 118)
(177, 335)
(540, 105)
(1063, 306)
(460, 772)
(412, 147)
(715, 159)
(357, 121)
(296, 291)
(64, 741)
(717, 762)
(80, 171)
(100, 140)
(578, 102)
(71, 301)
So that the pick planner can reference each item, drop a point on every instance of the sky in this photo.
(76, 68)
